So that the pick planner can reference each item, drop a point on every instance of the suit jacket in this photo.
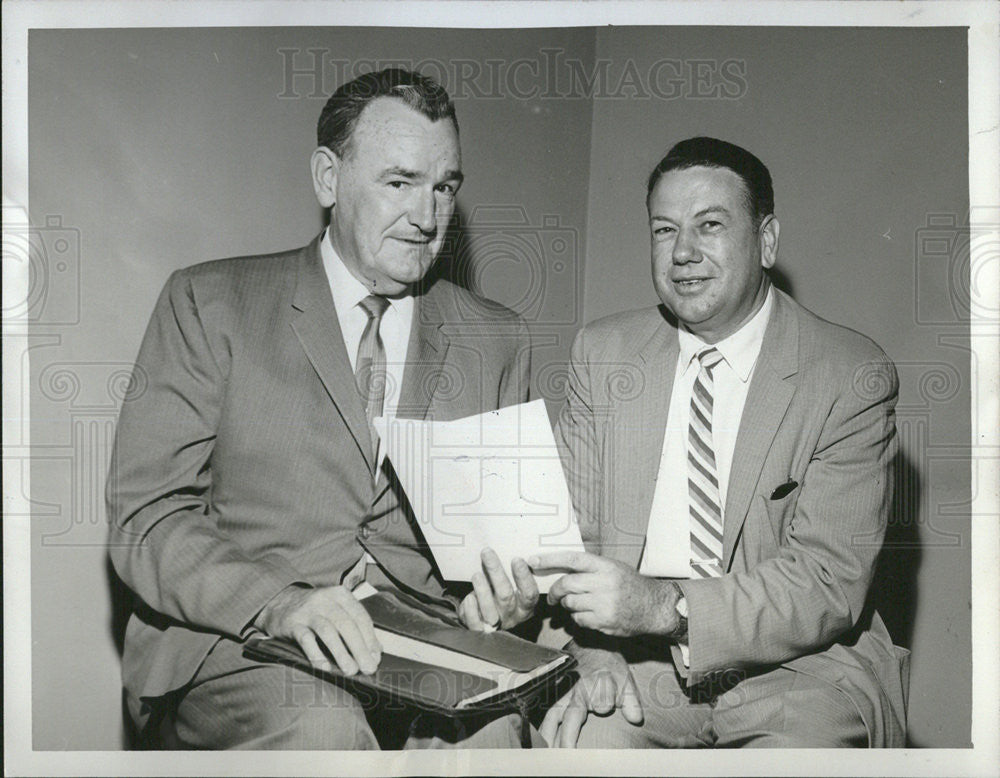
(243, 460)
(819, 412)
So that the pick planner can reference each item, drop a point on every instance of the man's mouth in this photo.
(690, 283)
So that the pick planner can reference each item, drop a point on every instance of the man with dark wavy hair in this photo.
(248, 491)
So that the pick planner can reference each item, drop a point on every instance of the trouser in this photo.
(236, 703)
(778, 708)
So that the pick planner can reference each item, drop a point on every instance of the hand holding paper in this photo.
(487, 481)
(495, 602)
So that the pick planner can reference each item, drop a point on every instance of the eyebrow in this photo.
(712, 209)
(401, 172)
(702, 212)
(412, 175)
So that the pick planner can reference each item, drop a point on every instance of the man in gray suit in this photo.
(248, 492)
(734, 490)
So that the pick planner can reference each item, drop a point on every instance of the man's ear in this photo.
(768, 237)
(325, 166)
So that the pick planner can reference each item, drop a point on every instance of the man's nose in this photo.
(684, 248)
(423, 211)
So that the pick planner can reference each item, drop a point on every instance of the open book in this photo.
(434, 662)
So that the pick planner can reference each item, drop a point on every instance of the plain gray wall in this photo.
(154, 149)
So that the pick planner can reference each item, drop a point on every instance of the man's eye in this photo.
(711, 225)
(663, 231)
(398, 184)
(446, 189)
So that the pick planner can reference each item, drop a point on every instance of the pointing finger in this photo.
(578, 561)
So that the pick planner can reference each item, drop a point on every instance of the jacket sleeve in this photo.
(814, 589)
(165, 542)
(579, 443)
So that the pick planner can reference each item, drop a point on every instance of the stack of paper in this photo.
(489, 480)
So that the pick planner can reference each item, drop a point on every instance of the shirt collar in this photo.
(740, 350)
(347, 290)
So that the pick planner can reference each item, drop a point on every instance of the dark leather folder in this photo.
(433, 687)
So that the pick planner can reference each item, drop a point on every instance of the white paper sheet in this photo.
(489, 480)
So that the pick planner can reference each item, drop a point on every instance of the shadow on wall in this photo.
(894, 588)
(896, 575)
(780, 280)
(122, 603)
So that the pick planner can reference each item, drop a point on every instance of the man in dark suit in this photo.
(734, 493)
(248, 491)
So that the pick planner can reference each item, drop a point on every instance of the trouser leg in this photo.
(234, 703)
(786, 709)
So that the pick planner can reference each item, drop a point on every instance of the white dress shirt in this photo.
(667, 553)
(348, 292)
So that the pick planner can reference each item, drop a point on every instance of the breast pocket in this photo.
(780, 509)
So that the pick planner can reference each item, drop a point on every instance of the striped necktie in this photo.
(705, 504)
(370, 367)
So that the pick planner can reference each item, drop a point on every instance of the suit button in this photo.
(365, 532)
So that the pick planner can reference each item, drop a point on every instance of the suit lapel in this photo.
(640, 428)
(767, 400)
(318, 330)
(425, 355)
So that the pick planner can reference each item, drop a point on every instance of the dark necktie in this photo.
(705, 504)
(370, 368)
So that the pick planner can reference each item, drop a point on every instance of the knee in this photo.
(323, 716)
(342, 728)
(269, 709)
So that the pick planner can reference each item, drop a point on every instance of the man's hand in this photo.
(493, 601)
(328, 618)
(605, 684)
(606, 595)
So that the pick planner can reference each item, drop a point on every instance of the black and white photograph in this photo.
(581, 380)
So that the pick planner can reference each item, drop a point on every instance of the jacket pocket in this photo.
(780, 513)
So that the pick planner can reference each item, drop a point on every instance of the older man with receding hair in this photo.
(248, 491)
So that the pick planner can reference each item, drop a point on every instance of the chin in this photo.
(690, 315)
(405, 272)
